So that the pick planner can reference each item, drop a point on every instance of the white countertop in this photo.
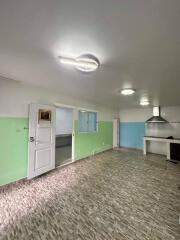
(159, 139)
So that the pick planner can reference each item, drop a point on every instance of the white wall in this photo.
(64, 121)
(171, 114)
(135, 114)
(15, 97)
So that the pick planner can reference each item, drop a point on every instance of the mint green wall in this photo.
(13, 149)
(86, 143)
(14, 146)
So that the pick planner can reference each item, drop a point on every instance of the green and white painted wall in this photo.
(133, 127)
(88, 143)
(13, 149)
(14, 100)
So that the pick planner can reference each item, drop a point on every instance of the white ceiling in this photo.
(136, 41)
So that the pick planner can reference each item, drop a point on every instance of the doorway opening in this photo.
(64, 136)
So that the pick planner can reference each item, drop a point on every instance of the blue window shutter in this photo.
(83, 121)
(87, 121)
(92, 121)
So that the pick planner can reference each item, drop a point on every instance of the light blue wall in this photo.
(131, 134)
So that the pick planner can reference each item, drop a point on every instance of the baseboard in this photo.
(7, 185)
(3, 187)
(129, 149)
(88, 156)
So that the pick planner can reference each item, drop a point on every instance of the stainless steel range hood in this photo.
(156, 116)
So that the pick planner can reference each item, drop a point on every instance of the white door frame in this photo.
(116, 132)
(59, 105)
(76, 110)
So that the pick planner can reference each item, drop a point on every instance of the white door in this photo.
(41, 139)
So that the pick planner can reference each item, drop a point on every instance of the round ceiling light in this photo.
(87, 63)
(144, 103)
(127, 91)
(84, 63)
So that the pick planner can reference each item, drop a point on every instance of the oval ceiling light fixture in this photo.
(84, 63)
(127, 91)
(144, 102)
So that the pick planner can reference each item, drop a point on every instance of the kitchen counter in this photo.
(162, 139)
(167, 141)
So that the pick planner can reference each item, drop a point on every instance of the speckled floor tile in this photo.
(117, 195)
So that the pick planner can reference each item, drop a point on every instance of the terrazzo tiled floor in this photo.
(118, 195)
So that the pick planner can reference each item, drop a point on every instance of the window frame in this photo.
(96, 124)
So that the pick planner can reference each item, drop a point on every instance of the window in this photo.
(87, 121)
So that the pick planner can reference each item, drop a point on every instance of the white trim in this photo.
(73, 128)
(73, 135)
(87, 110)
(61, 105)
(74, 107)
(116, 136)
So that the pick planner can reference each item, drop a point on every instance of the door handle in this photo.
(31, 139)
